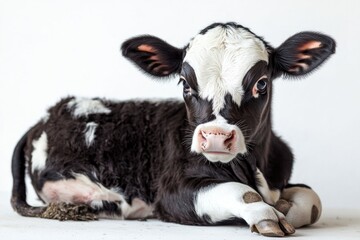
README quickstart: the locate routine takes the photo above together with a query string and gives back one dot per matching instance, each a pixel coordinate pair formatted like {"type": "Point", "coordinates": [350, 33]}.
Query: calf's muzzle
{"type": "Point", "coordinates": [216, 140]}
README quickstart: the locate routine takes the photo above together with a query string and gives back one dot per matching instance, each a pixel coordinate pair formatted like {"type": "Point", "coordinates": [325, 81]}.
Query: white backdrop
{"type": "Point", "coordinates": [51, 49]}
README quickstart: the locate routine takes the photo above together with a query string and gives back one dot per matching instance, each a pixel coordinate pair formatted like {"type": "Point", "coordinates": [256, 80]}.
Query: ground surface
{"type": "Point", "coordinates": [334, 224]}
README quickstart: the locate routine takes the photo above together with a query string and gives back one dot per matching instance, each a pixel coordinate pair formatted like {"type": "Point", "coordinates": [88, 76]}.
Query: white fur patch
{"type": "Point", "coordinates": [90, 133]}
{"type": "Point", "coordinates": [39, 154]}
{"type": "Point", "coordinates": [224, 201]}
{"type": "Point", "coordinates": [82, 190]}
{"type": "Point", "coordinates": [221, 58]}
{"type": "Point", "coordinates": [97, 204]}
{"type": "Point", "coordinates": [84, 106]}
{"type": "Point", "coordinates": [269, 196]}
{"type": "Point", "coordinates": [138, 210]}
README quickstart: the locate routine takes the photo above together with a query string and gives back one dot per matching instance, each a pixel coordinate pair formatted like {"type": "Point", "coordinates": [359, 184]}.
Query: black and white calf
{"type": "Point", "coordinates": [210, 159]}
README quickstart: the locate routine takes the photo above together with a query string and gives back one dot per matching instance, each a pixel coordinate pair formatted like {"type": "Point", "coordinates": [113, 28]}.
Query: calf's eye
{"type": "Point", "coordinates": [187, 88]}
{"type": "Point", "coordinates": [260, 87]}
{"type": "Point", "coordinates": [186, 85]}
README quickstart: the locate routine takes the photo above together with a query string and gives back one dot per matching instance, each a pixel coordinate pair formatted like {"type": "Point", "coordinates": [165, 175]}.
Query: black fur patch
{"type": "Point", "coordinates": [189, 74]}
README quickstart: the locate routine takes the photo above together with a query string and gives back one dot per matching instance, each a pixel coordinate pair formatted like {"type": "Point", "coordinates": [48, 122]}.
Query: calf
{"type": "Point", "coordinates": [210, 159]}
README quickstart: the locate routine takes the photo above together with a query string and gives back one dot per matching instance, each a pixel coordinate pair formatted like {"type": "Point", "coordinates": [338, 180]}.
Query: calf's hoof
{"type": "Point", "coordinates": [271, 228]}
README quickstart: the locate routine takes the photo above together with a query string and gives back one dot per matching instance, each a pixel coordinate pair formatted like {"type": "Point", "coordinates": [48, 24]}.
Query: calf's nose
{"type": "Point", "coordinates": [217, 140]}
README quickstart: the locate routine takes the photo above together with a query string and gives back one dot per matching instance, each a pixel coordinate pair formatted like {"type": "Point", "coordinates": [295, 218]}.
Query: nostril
{"type": "Point", "coordinates": [229, 139]}
{"type": "Point", "coordinates": [204, 135]}
{"type": "Point", "coordinates": [216, 140]}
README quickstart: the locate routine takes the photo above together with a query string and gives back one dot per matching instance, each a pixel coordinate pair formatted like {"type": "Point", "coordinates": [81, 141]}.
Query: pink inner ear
{"type": "Point", "coordinates": [310, 45]}
{"type": "Point", "coordinates": [146, 48]}
{"type": "Point", "coordinates": [303, 56]}
{"type": "Point", "coordinates": [149, 49]}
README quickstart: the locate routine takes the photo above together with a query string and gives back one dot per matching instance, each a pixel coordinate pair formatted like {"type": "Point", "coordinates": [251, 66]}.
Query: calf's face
{"type": "Point", "coordinates": [226, 72]}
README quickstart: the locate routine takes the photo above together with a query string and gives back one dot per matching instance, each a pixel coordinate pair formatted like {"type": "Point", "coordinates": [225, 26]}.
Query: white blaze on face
{"type": "Point", "coordinates": [221, 58]}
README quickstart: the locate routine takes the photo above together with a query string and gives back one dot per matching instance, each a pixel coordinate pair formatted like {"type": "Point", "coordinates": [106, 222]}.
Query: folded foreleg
{"type": "Point", "coordinates": [235, 200]}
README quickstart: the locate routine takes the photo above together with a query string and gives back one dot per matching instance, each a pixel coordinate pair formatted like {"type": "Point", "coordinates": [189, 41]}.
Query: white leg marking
{"type": "Point", "coordinates": [302, 200]}
{"type": "Point", "coordinates": [138, 209]}
{"type": "Point", "coordinates": [96, 204]}
{"type": "Point", "coordinates": [78, 190]}
{"type": "Point", "coordinates": [84, 107]}
{"type": "Point", "coordinates": [39, 154]}
{"type": "Point", "coordinates": [269, 196]}
{"type": "Point", "coordinates": [82, 190]}
{"type": "Point", "coordinates": [90, 133]}
{"type": "Point", "coordinates": [224, 201]}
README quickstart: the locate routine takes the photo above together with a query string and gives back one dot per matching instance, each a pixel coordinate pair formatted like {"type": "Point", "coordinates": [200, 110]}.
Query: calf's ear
{"type": "Point", "coordinates": [302, 53]}
{"type": "Point", "coordinates": [153, 55]}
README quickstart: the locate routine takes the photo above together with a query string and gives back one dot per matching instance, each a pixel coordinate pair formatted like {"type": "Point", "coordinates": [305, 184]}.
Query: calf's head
{"type": "Point", "coordinates": [227, 74]}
